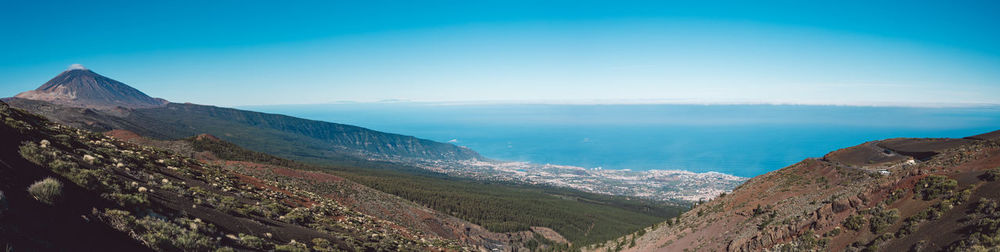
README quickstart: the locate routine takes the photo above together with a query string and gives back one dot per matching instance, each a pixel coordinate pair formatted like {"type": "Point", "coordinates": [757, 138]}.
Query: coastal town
{"type": "Point", "coordinates": [663, 185]}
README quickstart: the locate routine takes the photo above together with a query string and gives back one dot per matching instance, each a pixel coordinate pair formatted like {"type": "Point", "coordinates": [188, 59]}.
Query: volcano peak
{"type": "Point", "coordinates": [81, 87]}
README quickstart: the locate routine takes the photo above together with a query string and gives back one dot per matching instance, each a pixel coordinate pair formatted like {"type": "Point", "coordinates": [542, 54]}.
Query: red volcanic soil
{"type": "Point", "coordinates": [815, 196]}
{"type": "Point", "coordinates": [863, 155]}
{"type": "Point", "coordinates": [292, 198]}
{"type": "Point", "coordinates": [986, 136]}
{"type": "Point", "coordinates": [281, 171]}
{"type": "Point", "coordinates": [922, 149]}
{"type": "Point", "coordinates": [206, 137]}
{"type": "Point", "coordinates": [314, 176]}
{"type": "Point", "coordinates": [308, 175]}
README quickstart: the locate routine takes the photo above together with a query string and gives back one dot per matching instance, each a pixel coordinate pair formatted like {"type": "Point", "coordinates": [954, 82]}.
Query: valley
{"type": "Point", "coordinates": [489, 211]}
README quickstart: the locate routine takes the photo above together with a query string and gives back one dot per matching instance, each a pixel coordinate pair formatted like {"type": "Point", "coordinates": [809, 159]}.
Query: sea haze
{"type": "Point", "coordinates": [743, 140]}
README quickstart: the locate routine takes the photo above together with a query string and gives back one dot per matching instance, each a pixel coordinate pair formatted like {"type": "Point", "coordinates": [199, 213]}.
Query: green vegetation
{"type": "Point", "coordinates": [991, 174]}
{"type": "Point", "coordinates": [63, 164]}
{"type": "Point", "coordinates": [47, 190]}
{"type": "Point", "coordinates": [130, 199]}
{"type": "Point", "coordinates": [541, 244]}
{"type": "Point", "coordinates": [833, 233]}
{"type": "Point", "coordinates": [583, 218]}
{"type": "Point", "coordinates": [299, 215]}
{"type": "Point", "coordinates": [934, 186]}
{"type": "Point", "coordinates": [882, 219]}
{"type": "Point", "coordinates": [854, 222]}
{"type": "Point", "coordinates": [180, 234]}
{"type": "Point", "coordinates": [322, 245]}
{"type": "Point", "coordinates": [253, 242]}
{"type": "Point", "coordinates": [934, 212]}
{"type": "Point", "coordinates": [985, 228]}
{"type": "Point", "coordinates": [292, 246]}
{"type": "Point", "coordinates": [894, 196]}
{"type": "Point", "coordinates": [808, 241]}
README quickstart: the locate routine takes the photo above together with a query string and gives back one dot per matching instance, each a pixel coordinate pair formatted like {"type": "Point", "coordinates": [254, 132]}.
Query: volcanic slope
{"type": "Point", "coordinates": [255, 168]}
{"type": "Point", "coordinates": [82, 87]}
{"type": "Point", "coordinates": [512, 214]}
{"type": "Point", "coordinates": [106, 194]}
{"type": "Point", "coordinates": [278, 134]}
{"type": "Point", "coordinates": [378, 160]}
{"type": "Point", "coordinates": [107, 104]}
{"type": "Point", "coordinates": [889, 195]}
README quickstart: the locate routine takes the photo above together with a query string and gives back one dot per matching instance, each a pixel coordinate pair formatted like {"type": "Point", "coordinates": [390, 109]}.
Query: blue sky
{"type": "Point", "coordinates": [244, 52]}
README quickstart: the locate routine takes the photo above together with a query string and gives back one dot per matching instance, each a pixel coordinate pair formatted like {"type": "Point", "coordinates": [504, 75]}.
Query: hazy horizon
{"type": "Point", "coordinates": [612, 102]}
{"type": "Point", "coordinates": [742, 140]}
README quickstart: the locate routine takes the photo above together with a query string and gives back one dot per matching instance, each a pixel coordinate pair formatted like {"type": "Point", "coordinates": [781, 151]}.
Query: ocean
{"type": "Point", "coordinates": [742, 140]}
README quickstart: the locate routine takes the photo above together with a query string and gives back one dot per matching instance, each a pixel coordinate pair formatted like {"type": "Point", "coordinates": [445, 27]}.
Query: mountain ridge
{"type": "Point", "coordinates": [82, 87]}
{"type": "Point", "coordinates": [82, 98]}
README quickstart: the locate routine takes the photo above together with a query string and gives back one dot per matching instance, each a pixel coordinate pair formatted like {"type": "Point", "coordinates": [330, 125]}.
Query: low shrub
{"type": "Point", "coordinates": [31, 152]}
{"type": "Point", "coordinates": [320, 244]}
{"type": "Point", "coordinates": [986, 206]}
{"type": "Point", "coordinates": [991, 174]}
{"type": "Point", "coordinates": [90, 179]}
{"type": "Point", "coordinates": [934, 186]}
{"type": "Point", "coordinates": [299, 215]}
{"type": "Point", "coordinates": [130, 199]}
{"type": "Point", "coordinates": [882, 220]}
{"type": "Point", "coordinates": [63, 138]}
{"type": "Point", "coordinates": [832, 233]}
{"type": "Point", "coordinates": [18, 125]}
{"type": "Point", "coordinates": [985, 229]}
{"type": "Point", "coordinates": [119, 219]}
{"type": "Point", "coordinates": [894, 196]}
{"type": "Point", "coordinates": [292, 246]}
{"type": "Point", "coordinates": [168, 236]}
{"type": "Point", "coordinates": [47, 190]}
{"type": "Point", "coordinates": [62, 166]}
{"type": "Point", "coordinates": [854, 222]}
{"type": "Point", "coordinates": [962, 196]}
{"type": "Point", "coordinates": [251, 241]}
{"type": "Point", "coordinates": [225, 249]}
{"type": "Point", "coordinates": [230, 205]}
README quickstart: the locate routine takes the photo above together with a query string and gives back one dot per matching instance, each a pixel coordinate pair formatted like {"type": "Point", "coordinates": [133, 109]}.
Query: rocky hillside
{"type": "Point", "coordinates": [255, 168]}
{"type": "Point", "coordinates": [382, 161]}
{"type": "Point", "coordinates": [106, 194]}
{"type": "Point", "coordinates": [889, 195]}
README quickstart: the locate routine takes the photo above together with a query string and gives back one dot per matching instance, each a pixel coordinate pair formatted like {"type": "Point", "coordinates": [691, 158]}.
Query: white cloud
{"type": "Point", "coordinates": [453, 141]}
{"type": "Point", "coordinates": [76, 67]}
